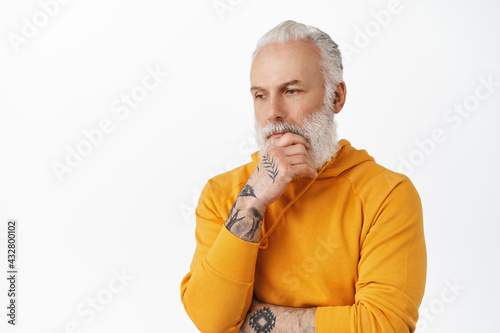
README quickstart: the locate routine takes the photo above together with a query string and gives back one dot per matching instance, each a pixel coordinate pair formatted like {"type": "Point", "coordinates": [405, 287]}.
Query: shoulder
{"type": "Point", "coordinates": [375, 184]}
{"type": "Point", "coordinates": [227, 181]}
{"type": "Point", "coordinates": [220, 191]}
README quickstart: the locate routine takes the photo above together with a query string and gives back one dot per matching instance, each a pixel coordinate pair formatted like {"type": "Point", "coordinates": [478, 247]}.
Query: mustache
{"type": "Point", "coordinates": [281, 127]}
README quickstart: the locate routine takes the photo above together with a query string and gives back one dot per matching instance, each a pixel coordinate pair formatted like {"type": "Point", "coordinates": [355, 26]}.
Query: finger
{"type": "Point", "coordinates": [297, 149]}
{"type": "Point", "coordinates": [300, 159]}
{"type": "Point", "coordinates": [289, 139]}
{"type": "Point", "coordinates": [303, 171]}
{"type": "Point", "coordinates": [291, 155]}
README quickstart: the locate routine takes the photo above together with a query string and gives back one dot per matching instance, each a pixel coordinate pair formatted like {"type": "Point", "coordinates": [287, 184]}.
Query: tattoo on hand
{"type": "Point", "coordinates": [247, 191]}
{"type": "Point", "coordinates": [233, 217]}
{"type": "Point", "coordinates": [263, 321]}
{"type": "Point", "coordinates": [271, 167]}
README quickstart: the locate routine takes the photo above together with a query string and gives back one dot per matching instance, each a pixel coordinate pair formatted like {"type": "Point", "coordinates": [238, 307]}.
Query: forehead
{"type": "Point", "coordinates": [278, 63]}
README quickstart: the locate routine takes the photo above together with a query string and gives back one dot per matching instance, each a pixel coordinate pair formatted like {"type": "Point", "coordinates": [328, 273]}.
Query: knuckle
{"type": "Point", "coordinates": [286, 168]}
{"type": "Point", "coordinates": [302, 149]}
{"type": "Point", "coordinates": [270, 148]}
{"type": "Point", "coordinates": [278, 159]}
{"type": "Point", "coordinates": [304, 168]}
{"type": "Point", "coordinates": [303, 159]}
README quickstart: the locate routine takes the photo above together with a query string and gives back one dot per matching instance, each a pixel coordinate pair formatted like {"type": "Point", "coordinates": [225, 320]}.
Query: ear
{"type": "Point", "coordinates": [340, 95]}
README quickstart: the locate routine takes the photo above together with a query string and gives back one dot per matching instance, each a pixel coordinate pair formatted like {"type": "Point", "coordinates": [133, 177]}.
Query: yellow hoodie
{"type": "Point", "coordinates": [352, 244]}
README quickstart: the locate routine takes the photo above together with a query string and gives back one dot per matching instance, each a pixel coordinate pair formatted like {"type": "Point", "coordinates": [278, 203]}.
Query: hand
{"type": "Point", "coordinates": [283, 161]}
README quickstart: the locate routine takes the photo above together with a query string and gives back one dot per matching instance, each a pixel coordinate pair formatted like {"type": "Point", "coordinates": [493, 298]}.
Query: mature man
{"type": "Point", "coordinates": [312, 235]}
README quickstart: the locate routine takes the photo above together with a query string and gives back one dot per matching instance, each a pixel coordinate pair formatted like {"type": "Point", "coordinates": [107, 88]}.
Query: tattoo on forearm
{"type": "Point", "coordinates": [256, 221]}
{"type": "Point", "coordinates": [252, 215]}
{"type": "Point", "coordinates": [233, 217]}
{"type": "Point", "coordinates": [263, 321]}
{"type": "Point", "coordinates": [271, 167]}
{"type": "Point", "coordinates": [247, 191]}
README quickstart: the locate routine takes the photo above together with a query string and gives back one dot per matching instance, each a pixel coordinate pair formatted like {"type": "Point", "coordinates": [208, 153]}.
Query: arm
{"type": "Point", "coordinates": [263, 317]}
{"type": "Point", "coordinates": [217, 292]}
{"type": "Point", "coordinates": [391, 270]}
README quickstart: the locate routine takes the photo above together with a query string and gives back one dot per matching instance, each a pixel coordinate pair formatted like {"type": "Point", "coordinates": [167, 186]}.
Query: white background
{"type": "Point", "coordinates": [128, 204]}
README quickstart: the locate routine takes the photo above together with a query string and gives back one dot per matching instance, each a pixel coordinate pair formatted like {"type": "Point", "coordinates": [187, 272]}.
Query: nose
{"type": "Point", "coordinates": [276, 110]}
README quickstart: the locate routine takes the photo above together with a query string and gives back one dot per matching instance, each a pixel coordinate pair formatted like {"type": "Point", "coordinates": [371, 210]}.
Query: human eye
{"type": "Point", "coordinates": [259, 96]}
{"type": "Point", "coordinates": [292, 91]}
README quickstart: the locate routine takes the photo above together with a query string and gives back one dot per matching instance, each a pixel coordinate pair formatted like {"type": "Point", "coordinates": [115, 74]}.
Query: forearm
{"type": "Point", "coordinates": [245, 218]}
{"type": "Point", "coordinates": [263, 317]}
{"type": "Point", "coordinates": [217, 291]}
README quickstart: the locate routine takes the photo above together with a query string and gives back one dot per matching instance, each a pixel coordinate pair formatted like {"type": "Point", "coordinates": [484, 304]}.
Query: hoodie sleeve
{"type": "Point", "coordinates": [392, 271]}
{"type": "Point", "coordinates": [217, 291]}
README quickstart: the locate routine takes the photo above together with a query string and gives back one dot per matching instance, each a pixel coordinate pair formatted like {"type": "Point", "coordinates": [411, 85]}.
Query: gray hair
{"type": "Point", "coordinates": [331, 59]}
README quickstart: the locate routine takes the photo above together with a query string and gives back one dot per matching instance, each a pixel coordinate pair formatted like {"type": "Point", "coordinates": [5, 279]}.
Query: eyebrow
{"type": "Point", "coordinates": [281, 86]}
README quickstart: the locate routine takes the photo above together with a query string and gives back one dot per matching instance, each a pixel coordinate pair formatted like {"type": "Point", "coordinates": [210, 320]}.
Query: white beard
{"type": "Point", "coordinates": [319, 129]}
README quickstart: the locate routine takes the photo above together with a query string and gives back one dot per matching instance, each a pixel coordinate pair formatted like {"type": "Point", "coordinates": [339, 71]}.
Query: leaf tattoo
{"type": "Point", "coordinates": [271, 167]}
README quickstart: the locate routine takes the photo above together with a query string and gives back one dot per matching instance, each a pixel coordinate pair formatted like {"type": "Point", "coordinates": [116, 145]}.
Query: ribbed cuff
{"type": "Point", "coordinates": [233, 257]}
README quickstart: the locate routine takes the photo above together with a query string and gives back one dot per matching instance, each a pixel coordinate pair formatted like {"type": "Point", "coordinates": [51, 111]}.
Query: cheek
{"type": "Point", "coordinates": [303, 106]}
{"type": "Point", "coordinates": [260, 114]}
